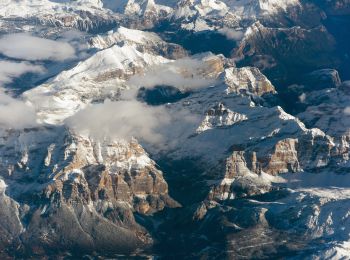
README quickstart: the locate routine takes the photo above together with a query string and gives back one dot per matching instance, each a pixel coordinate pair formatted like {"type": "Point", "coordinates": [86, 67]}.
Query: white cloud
{"type": "Point", "coordinates": [27, 47]}
{"type": "Point", "coordinates": [15, 113]}
{"type": "Point", "coordinates": [72, 35]}
{"type": "Point", "coordinates": [231, 34]}
{"type": "Point", "coordinates": [347, 111]}
{"type": "Point", "coordinates": [78, 40]}
{"type": "Point", "coordinates": [184, 74]}
{"type": "Point", "coordinates": [122, 119]}
{"type": "Point", "coordinates": [302, 98]}
{"type": "Point", "coordinates": [154, 125]}
{"type": "Point", "coordinates": [10, 70]}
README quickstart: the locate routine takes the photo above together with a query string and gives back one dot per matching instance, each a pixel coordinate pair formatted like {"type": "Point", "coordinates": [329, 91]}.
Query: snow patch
{"type": "Point", "coordinates": [2, 186]}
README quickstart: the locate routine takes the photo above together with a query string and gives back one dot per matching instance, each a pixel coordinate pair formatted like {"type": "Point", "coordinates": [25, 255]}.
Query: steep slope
{"type": "Point", "coordinates": [73, 192]}
{"type": "Point", "coordinates": [92, 80]}
{"type": "Point", "coordinates": [144, 41]}
{"type": "Point", "coordinates": [211, 132]}
{"type": "Point", "coordinates": [281, 143]}
{"type": "Point", "coordinates": [274, 50]}
{"type": "Point", "coordinates": [85, 15]}
{"type": "Point", "coordinates": [226, 160]}
{"type": "Point", "coordinates": [70, 192]}
{"type": "Point", "coordinates": [328, 109]}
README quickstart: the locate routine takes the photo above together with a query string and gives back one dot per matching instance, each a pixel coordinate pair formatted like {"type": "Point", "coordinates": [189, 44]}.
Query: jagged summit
{"type": "Point", "coordinates": [175, 129]}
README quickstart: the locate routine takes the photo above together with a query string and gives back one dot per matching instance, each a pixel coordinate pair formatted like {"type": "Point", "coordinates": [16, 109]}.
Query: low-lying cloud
{"type": "Point", "coordinates": [347, 111]}
{"type": "Point", "coordinates": [10, 70]}
{"type": "Point", "coordinates": [231, 34]}
{"type": "Point", "coordinates": [128, 119]}
{"type": "Point", "coordinates": [153, 125]}
{"type": "Point", "coordinates": [27, 47]}
{"type": "Point", "coordinates": [78, 40]}
{"type": "Point", "coordinates": [184, 74]}
{"type": "Point", "coordinates": [15, 113]}
{"type": "Point", "coordinates": [302, 98]}
{"type": "Point", "coordinates": [122, 119]}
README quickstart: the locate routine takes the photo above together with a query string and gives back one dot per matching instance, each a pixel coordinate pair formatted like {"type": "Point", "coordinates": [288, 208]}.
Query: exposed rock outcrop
{"type": "Point", "coordinates": [78, 184]}
{"type": "Point", "coordinates": [146, 42]}
{"type": "Point", "coordinates": [245, 172]}
{"type": "Point", "coordinates": [248, 80]}
{"type": "Point", "coordinates": [220, 116]}
{"type": "Point", "coordinates": [274, 50]}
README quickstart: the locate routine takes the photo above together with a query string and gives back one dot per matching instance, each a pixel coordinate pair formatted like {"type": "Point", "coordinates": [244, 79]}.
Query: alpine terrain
{"type": "Point", "coordinates": [163, 129]}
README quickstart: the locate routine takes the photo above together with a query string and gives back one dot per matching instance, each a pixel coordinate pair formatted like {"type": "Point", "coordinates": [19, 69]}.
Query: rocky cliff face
{"type": "Point", "coordinates": [89, 81]}
{"type": "Point", "coordinates": [249, 80]}
{"type": "Point", "coordinates": [145, 42]}
{"type": "Point", "coordinates": [220, 116]}
{"type": "Point", "coordinates": [274, 50]}
{"type": "Point", "coordinates": [243, 157]}
{"type": "Point", "coordinates": [331, 115]}
{"type": "Point", "coordinates": [244, 169]}
{"type": "Point", "coordinates": [63, 190]}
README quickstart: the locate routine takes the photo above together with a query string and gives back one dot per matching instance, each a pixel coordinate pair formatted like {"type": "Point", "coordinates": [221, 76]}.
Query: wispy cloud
{"type": "Point", "coordinates": [154, 125]}
{"type": "Point", "coordinates": [10, 70]}
{"type": "Point", "coordinates": [15, 113]}
{"type": "Point", "coordinates": [78, 40]}
{"type": "Point", "coordinates": [185, 74]}
{"type": "Point", "coordinates": [128, 117]}
{"type": "Point", "coordinates": [231, 34]}
{"type": "Point", "coordinates": [347, 111]}
{"type": "Point", "coordinates": [122, 119]}
{"type": "Point", "coordinates": [27, 47]}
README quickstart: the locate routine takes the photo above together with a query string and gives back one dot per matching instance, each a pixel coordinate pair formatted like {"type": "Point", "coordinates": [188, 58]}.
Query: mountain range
{"type": "Point", "coordinates": [192, 129]}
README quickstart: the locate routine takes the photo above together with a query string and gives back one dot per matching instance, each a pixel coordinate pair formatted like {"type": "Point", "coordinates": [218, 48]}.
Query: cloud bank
{"type": "Point", "coordinates": [152, 125]}
{"type": "Point", "coordinates": [10, 70]}
{"type": "Point", "coordinates": [15, 113]}
{"type": "Point", "coordinates": [122, 119]}
{"type": "Point", "coordinates": [184, 74]}
{"type": "Point", "coordinates": [126, 119]}
{"type": "Point", "coordinates": [27, 47]}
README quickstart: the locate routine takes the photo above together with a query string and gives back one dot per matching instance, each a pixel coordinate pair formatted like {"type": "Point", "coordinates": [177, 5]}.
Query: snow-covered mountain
{"type": "Point", "coordinates": [178, 129]}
